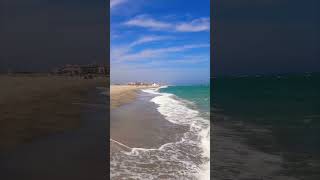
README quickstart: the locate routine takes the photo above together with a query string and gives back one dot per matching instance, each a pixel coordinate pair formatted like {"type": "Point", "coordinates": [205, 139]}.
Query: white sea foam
{"type": "Point", "coordinates": [177, 112]}
{"type": "Point", "coordinates": [185, 159]}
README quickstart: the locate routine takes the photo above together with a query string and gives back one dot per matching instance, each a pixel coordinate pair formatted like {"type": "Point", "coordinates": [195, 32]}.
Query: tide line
{"type": "Point", "coordinates": [123, 145]}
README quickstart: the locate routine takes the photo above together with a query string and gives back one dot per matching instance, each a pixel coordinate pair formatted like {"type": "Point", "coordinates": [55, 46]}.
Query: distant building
{"type": "Point", "coordinates": [137, 83]}
{"type": "Point", "coordinates": [155, 84]}
{"type": "Point", "coordinates": [131, 83]}
{"type": "Point", "coordinates": [69, 69]}
{"type": "Point", "coordinates": [142, 84]}
{"type": "Point", "coordinates": [82, 70]}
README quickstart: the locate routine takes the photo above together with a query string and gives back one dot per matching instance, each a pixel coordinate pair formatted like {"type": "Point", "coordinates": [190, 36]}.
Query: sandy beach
{"type": "Point", "coordinates": [123, 94]}
{"type": "Point", "coordinates": [55, 127]}
{"type": "Point", "coordinates": [31, 107]}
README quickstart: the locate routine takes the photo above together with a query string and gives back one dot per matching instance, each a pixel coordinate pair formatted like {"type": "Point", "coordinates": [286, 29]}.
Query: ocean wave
{"type": "Point", "coordinates": [177, 111]}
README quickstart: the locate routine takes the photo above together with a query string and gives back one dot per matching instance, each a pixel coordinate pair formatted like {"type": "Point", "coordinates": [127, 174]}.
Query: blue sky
{"type": "Point", "coordinates": [164, 41]}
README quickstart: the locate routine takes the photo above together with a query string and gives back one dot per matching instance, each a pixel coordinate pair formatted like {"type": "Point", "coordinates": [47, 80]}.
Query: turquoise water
{"type": "Point", "coordinates": [198, 94]}
{"type": "Point", "coordinates": [288, 106]}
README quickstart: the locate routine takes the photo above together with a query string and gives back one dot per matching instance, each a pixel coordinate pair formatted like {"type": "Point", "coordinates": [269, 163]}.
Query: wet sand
{"type": "Point", "coordinates": [73, 153]}
{"type": "Point", "coordinates": [138, 124]}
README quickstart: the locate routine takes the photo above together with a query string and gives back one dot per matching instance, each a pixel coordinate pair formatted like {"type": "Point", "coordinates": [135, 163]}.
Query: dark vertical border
{"type": "Point", "coordinates": [107, 43]}
{"type": "Point", "coordinates": [211, 80]}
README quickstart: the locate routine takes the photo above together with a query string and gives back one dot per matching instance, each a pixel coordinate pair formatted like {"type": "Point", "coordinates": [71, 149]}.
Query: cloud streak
{"type": "Point", "coordinates": [197, 25]}
{"type": "Point", "coordinates": [145, 21]}
{"type": "Point", "coordinates": [147, 39]}
{"type": "Point", "coordinates": [120, 51]}
{"type": "Point", "coordinates": [114, 3]}
{"type": "Point", "coordinates": [124, 54]}
{"type": "Point", "coordinates": [148, 22]}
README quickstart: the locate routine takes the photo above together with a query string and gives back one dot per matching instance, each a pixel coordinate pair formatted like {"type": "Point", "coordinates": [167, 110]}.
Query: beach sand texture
{"type": "Point", "coordinates": [123, 94]}
{"type": "Point", "coordinates": [31, 107]}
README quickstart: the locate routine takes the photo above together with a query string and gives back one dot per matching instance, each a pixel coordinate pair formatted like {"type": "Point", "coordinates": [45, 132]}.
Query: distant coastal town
{"type": "Point", "coordinates": [88, 71]}
{"type": "Point", "coordinates": [143, 84]}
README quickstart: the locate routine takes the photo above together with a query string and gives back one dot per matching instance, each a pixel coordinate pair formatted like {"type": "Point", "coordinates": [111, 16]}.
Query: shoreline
{"type": "Point", "coordinates": [137, 123]}
{"type": "Point", "coordinates": [147, 142]}
{"type": "Point", "coordinates": [124, 94]}
{"type": "Point", "coordinates": [138, 127]}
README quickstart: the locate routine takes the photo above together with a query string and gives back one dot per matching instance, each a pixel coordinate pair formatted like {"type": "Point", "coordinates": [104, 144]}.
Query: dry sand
{"type": "Point", "coordinates": [31, 107]}
{"type": "Point", "coordinates": [123, 94]}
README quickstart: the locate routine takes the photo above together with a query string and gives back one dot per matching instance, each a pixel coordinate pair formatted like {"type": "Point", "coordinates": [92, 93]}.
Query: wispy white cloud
{"type": "Point", "coordinates": [172, 62]}
{"type": "Point", "coordinates": [124, 53]}
{"type": "Point", "coordinates": [119, 52]}
{"type": "Point", "coordinates": [152, 38]}
{"type": "Point", "coordinates": [148, 22]}
{"type": "Point", "coordinates": [197, 25]}
{"type": "Point", "coordinates": [145, 21]}
{"type": "Point", "coordinates": [114, 3]}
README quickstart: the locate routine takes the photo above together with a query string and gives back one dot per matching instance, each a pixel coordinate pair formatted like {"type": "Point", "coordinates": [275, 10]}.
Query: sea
{"type": "Point", "coordinates": [185, 157]}
{"type": "Point", "coordinates": [277, 115]}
